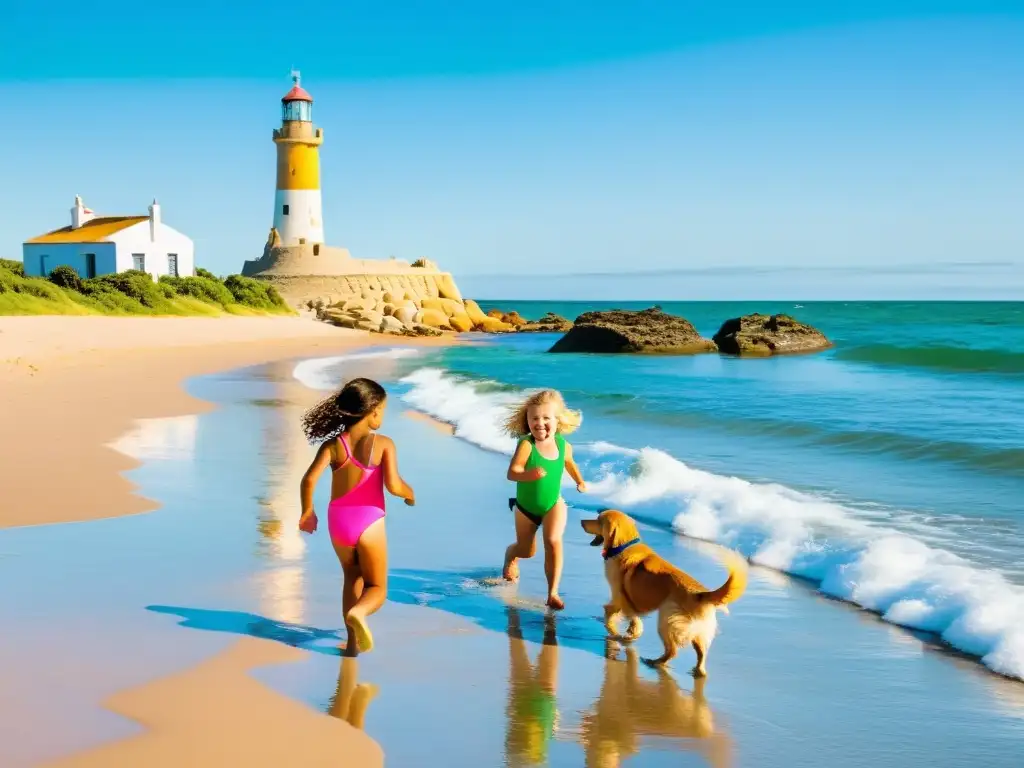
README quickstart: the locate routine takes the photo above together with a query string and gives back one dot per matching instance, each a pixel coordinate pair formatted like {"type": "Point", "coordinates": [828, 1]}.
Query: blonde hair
{"type": "Point", "coordinates": [518, 425]}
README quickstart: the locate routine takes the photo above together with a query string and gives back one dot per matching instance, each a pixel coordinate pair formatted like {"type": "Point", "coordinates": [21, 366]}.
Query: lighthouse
{"type": "Point", "coordinates": [298, 216]}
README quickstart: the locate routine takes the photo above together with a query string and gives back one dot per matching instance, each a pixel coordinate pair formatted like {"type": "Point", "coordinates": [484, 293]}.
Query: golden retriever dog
{"type": "Point", "coordinates": [630, 709]}
{"type": "Point", "coordinates": [641, 581]}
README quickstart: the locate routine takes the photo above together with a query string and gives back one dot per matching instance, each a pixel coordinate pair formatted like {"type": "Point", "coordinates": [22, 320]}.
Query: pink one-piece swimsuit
{"type": "Point", "coordinates": [351, 514]}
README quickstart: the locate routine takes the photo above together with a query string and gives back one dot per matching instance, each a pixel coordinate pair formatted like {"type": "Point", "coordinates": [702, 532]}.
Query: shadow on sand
{"type": "Point", "coordinates": [482, 597]}
{"type": "Point", "coordinates": [241, 623]}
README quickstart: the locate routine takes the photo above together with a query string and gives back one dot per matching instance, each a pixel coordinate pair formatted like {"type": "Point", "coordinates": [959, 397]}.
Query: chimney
{"type": "Point", "coordinates": [154, 220]}
{"type": "Point", "coordinates": [80, 214]}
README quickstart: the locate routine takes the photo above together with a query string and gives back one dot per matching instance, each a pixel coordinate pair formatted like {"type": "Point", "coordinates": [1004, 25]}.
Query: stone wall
{"type": "Point", "coordinates": [384, 296]}
{"type": "Point", "coordinates": [303, 290]}
{"type": "Point", "coordinates": [318, 273]}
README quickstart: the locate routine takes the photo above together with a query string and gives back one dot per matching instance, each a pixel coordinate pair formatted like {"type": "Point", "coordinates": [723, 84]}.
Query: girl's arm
{"type": "Point", "coordinates": [517, 471]}
{"type": "Point", "coordinates": [307, 521]}
{"type": "Point", "coordinates": [392, 480]}
{"type": "Point", "coordinates": [573, 470]}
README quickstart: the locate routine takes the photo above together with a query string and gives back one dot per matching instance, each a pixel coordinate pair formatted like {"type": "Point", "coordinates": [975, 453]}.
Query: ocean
{"type": "Point", "coordinates": [888, 471]}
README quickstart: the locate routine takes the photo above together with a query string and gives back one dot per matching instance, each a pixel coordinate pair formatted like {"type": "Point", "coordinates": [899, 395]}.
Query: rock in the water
{"type": "Point", "coordinates": [765, 335]}
{"type": "Point", "coordinates": [493, 325]}
{"type": "Point", "coordinates": [550, 323]}
{"type": "Point", "coordinates": [513, 318]}
{"type": "Point", "coordinates": [648, 331]}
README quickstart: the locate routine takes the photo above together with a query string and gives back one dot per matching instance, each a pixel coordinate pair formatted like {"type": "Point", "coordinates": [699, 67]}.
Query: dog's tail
{"type": "Point", "coordinates": [734, 586]}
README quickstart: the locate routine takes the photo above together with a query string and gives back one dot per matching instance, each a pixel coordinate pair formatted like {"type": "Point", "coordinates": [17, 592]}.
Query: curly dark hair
{"type": "Point", "coordinates": [342, 410]}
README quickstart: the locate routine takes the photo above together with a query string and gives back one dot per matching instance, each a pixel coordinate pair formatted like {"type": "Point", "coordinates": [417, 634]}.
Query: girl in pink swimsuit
{"type": "Point", "coordinates": [362, 464]}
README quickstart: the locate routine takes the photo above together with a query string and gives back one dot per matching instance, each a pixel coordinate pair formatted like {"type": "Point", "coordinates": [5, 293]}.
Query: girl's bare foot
{"type": "Point", "coordinates": [555, 602]}
{"type": "Point", "coordinates": [510, 571]}
{"type": "Point", "coordinates": [363, 636]}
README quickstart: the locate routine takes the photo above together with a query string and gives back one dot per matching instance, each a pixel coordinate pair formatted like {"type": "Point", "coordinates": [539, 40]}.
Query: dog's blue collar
{"type": "Point", "coordinates": [610, 553]}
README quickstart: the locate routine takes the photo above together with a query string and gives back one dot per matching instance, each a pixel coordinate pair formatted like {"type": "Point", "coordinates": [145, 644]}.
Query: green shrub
{"type": "Point", "coordinates": [257, 294]}
{"type": "Point", "coordinates": [66, 277]}
{"type": "Point", "coordinates": [8, 280]}
{"type": "Point", "coordinates": [107, 296]}
{"type": "Point", "coordinates": [134, 284]}
{"type": "Point", "coordinates": [13, 266]}
{"type": "Point", "coordinates": [133, 293]}
{"type": "Point", "coordinates": [205, 289]}
{"type": "Point", "coordinates": [13, 280]}
{"type": "Point", "coordinates": [40, 287]}
{"type": "Point", "coordinates": [200, 272]}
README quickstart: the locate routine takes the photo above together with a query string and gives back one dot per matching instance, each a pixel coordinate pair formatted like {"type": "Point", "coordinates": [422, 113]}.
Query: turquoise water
{"type": "Point", "coordinates": [889, 471]}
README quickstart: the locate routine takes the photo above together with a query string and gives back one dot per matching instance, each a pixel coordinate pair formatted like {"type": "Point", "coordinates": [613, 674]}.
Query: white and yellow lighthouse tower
{"type": "Point", "coordinates": [298, 215]}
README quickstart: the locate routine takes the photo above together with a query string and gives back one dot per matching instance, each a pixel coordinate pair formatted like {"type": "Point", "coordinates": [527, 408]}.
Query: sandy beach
{"type": "Point", "coordinates": [72, 386]}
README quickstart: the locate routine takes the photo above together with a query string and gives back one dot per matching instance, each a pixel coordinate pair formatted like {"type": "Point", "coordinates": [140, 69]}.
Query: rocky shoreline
{"type": "Point", "coordinates": [404, 313]}
{"type": "Point", "coordinates": [616, 331]}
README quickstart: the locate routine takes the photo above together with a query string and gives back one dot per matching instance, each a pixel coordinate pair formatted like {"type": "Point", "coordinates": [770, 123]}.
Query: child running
{"type": "Point", "coordinates": [362, 464]}
{"type": "Point", "coordinates": [536, 469]}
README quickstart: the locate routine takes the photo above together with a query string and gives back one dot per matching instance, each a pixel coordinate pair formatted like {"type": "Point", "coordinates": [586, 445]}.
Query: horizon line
{"type": "Point", "coordinates": [909, 268]}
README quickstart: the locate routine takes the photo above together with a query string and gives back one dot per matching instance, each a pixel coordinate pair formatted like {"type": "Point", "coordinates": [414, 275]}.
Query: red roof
{"type": "Point", "coordinates": [297, 93]}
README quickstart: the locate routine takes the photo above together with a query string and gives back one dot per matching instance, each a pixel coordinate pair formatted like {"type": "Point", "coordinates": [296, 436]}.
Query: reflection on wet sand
{"type": "Point", "coordinates": [351, 697]}
{"type": "Point", "coordinates": [169, 438]}
{"type": "Point", "coordinates": [630, 708]}
{"type": "Point", "coordinates": [285, 458]}
{"type": "Point", "coordinates": [531, 713]}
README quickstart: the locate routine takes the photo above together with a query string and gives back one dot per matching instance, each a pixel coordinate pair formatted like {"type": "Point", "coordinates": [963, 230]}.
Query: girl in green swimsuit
{"type": "Point", "coordinates": [536, 469]}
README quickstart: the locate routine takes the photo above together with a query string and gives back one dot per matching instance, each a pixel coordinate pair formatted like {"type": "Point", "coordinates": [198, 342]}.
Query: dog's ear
{"type": "Point", "coordinates": [611, 529]}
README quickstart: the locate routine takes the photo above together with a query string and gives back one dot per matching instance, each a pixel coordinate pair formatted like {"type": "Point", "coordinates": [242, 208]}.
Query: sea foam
{"type": "Point", "coordinates": [323, 372]}
{"type": "Point", "coordinates": [848, 554]}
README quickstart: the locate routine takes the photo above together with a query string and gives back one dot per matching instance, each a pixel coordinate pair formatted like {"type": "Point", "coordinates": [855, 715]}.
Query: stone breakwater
{"type": "Point", "coordinates": [383, 305]}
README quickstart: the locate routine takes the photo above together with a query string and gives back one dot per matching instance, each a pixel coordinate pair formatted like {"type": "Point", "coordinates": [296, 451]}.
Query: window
{"type": "Point", "coordinates": [172, 264]}
{"type": "Point", "coordinates": [316, 249]}
{"type": "Point", "coordinates": [139, 262]}
{"type": "Point", "coordinates": [302, 241]}
{"type": "Point", "coordinates": [284, 209]}
{"type": "Point", "coordinates": [297, 111]}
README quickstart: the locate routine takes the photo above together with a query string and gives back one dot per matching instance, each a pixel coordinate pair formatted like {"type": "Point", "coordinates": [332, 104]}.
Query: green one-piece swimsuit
{"type": "Point", "coordinates": [536, 498]}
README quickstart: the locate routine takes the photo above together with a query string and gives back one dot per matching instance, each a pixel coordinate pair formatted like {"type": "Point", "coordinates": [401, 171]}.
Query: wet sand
{"type": "Point", "coordinates": [72, 387]}
{"type": "Point", "coordinates": [440, 426]}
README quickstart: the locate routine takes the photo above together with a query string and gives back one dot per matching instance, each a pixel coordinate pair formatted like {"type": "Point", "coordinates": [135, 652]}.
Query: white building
{"type": "Point", "coordinates": [100, 245]}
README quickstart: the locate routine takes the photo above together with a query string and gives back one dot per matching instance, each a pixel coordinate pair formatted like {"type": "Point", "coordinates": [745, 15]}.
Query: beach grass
{"type": "Point", "coordinates": [134, 293]}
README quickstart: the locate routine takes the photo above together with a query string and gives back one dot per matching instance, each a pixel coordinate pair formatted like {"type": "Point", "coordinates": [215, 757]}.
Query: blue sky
{"type": "Point", "coordinates": [729, 150]}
